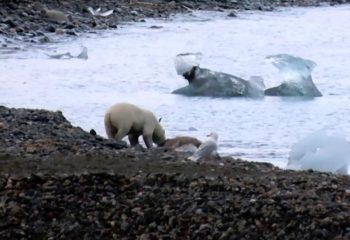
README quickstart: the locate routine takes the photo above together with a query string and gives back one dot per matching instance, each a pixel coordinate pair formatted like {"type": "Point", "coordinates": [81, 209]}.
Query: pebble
{"type": "Point", "coordinates": [36, 16]}
{"type": "Point", "coordinates": [53, 134]}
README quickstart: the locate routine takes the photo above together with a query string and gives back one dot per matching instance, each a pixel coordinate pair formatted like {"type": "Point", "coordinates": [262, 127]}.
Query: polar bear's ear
{"type": "Point", "coordinates": [160, 119]}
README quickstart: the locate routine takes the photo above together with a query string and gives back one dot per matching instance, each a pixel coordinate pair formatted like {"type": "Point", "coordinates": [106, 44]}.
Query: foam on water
{"type": "Point", "coordinates": [135, 64]}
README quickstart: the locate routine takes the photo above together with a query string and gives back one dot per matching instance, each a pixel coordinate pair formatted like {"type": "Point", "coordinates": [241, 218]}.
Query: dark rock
{"type": "Point", "coordinates": [93, 132]}
{"type": "Point", "coordinates": [156, 27]}
{"type": "Point", "coordinates": [232, 14]}
{"type": "Point", "coordinates": [71, 32]}
{"type": "Point", "coordinates": [69, 26]}
{"type": "Point", "coordinates": [44, 39]}
{"type": "Point", "coordinates": [10, 22]}
{"type": "Point", "coordinates": [51, 29]}
{"type": "Point", "coordinates": [12, 5]}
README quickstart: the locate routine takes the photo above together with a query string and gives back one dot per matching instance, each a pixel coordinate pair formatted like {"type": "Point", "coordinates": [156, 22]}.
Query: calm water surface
{"type": "Point", "coordinates": [135, 64]}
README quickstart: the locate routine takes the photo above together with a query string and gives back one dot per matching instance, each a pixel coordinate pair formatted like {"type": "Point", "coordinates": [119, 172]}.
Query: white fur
{"type": "Point", "coordinates": [124, 119]}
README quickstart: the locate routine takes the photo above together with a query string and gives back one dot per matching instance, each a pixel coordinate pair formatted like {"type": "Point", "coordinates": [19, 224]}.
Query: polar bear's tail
{"type": "Point", "coordinates": [110, 130]}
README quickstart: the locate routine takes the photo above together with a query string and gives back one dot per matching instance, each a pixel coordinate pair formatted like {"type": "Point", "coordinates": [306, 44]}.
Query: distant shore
{"type": "Point", "coordinates": [30, 21]}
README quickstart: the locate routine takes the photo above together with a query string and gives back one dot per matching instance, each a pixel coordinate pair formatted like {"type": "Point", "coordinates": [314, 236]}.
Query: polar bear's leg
{"type": "Point", "coordinates": [147, 138]}
{"type": "Point", "coordinates": [134, 139]}
{"type": "Point", "coordinates": [120, 134]}
{"type": "Point", "coordinates": [110, 129]}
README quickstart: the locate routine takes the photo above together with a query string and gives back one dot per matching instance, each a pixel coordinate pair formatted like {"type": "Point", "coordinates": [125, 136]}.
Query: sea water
{"type": "Point", "coordinates": [135, 64]}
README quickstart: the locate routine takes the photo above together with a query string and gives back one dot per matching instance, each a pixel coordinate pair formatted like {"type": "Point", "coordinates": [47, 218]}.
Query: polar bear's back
{"type": "Point", "coordinates": [126, 115]}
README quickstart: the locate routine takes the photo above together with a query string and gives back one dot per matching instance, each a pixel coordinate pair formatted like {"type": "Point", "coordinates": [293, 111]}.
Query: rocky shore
{"type": "Point", "coordinates": [59, 182]}
{"type": "Point", "coordinates": [37, 21]}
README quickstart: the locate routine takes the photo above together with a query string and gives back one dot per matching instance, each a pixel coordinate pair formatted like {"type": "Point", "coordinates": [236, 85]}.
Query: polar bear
{"type": "Point", "coordinates": [127, 119]}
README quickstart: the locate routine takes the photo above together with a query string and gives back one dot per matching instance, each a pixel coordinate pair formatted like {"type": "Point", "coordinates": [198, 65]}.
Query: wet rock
{"type": "Point", "coordinates": [44, 39]}
{"type": "Point", "coordinates": [70, 26]}
{"type": "Point", "coordinates": [38, 6]}
{"type": "Point", "coordinates": [36, 16]}
{"type": "Point", "coordinates": [10, 22]}
{"type": "Point", "coordinates": [156, 27]}
{"type": "Point", "coordinates": [232, 14]}
{"type": "Point", "coordinates": [60, 31]}
{"type": "Point", "coordinates": [93, 132]}
{"type": "Point", "coordinates": [51, 29]}
{"type": "Point", "coordinates": [56, 16]}
{"type": "Point", "coordinates": [71, 32]}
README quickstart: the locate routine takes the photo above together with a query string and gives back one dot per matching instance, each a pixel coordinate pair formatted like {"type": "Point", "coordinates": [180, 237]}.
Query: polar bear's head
{"type": "Point", "coordinates": [158, 136]}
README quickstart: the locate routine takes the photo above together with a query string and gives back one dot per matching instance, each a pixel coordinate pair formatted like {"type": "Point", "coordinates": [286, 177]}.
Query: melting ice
{"type": "Point", "coordinates": [321, 151]}
{"type": "Point", "coordinates": [296, 74]}
{"type": "Point", "coordinates": [205, 82]}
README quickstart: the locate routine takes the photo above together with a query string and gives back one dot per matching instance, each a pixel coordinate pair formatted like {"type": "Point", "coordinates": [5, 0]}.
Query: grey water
{"type": "Point", "coordinates": [135, 64]}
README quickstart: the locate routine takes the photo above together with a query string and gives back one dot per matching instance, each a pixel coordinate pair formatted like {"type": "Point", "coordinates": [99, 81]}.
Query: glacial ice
{"type": "Point", "coordinates": [205, 82]}
{"type": "Point", "coordinates": [321, 151]}
{"type": "Point", "coordinates": [184, 62]}
{"type": "Point", "coordinates": [296, 74]}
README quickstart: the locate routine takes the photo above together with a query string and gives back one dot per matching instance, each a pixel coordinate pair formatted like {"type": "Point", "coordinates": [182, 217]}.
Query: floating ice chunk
{"type": "Point", "coordinates": [83, 54]}
{"type": "Point", "coordinates": [296, 74]}
{"type": "Point", "coordinates": [292, 68]}
{"type": "Point", "coordinates": [258, 81]}
{"type": "Point", "coordinates": [205, 82]}
{"type": "Point", "coordinates": [184, 62]}
{"type": "Point", "coordinates": [321, 151]}
{"type": "Point", "coordinates": [67, 55]}
{"type": "Point", "coordinates": [257, 86]}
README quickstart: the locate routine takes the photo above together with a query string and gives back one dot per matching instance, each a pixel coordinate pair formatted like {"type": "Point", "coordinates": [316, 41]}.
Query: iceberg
{"type": "Point", "coordinates": [321, 151]}
{"type": "Point", "coordinates": [296, 74]}
{"type": "Point", "coordinates": [67, 55]}
{"type": "Point", "coordinates": [205, 82]}
{"type": "Point", "coordinates": [184, 62]}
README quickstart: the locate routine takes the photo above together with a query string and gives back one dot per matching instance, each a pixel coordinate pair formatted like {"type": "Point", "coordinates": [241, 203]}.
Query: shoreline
{"type": "Point", "coordinates": [34, 22]}
{"type": "Point", "coordinates": [58, 181]}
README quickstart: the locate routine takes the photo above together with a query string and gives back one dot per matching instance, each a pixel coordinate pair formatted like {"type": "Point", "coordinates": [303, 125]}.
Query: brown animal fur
{"type": "Point", "coordinates": [180, 141]}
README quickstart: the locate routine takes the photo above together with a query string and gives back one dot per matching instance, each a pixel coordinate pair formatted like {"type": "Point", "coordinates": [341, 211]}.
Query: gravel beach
{"type": "Point", "coordinates": [58, 181]}
{"type": "Point", "coordinates": [38, 21]}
